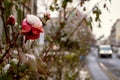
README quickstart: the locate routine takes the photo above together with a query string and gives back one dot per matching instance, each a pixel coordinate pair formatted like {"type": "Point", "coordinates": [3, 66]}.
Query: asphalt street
{"type": "Point", "coordinates": [113, 64]}
{"type": "Point", "coordinates": [94, 68]}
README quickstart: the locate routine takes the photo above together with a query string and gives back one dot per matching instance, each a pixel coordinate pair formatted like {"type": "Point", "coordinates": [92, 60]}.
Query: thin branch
{"type": "Point", "coordinates": [11, 45]}
{"type": "Point", "coordinates": [72, 11]}
{"type": "Point", "coordinates": [51, 43]}
{"type": "Point", "coordinates": [27, 7]}
{"type": "Point", "coordinates": [58, 32]}
{"type": "Point", "coordinates": [82, 21]}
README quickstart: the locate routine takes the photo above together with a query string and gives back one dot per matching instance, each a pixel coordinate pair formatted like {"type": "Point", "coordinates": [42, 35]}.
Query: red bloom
{"type": "Point", "coordinates": [11, 20]}
{"type": "Point", "coordinates": [31, 31]}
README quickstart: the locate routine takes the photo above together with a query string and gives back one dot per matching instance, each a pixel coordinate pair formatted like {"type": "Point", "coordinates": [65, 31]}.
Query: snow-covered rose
{"type": "Point", "coordinates": [31, 27]}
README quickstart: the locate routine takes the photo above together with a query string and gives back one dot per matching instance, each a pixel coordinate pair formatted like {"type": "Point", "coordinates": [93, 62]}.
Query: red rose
{"type": "Point", "coordinates": [11, 20]}
{"type": "Point", "coordinates": [31, 27]}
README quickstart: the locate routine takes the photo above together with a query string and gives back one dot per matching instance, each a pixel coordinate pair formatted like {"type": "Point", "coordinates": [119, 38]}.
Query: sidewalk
{"type": "Point", "coordinates": [84, 74]}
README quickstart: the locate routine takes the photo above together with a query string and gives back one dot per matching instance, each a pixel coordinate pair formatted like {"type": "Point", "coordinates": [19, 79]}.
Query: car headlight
{"type": "Point", "coordinates": [102, 52]}
{"type": "Point", "coordinates": [110, 51]}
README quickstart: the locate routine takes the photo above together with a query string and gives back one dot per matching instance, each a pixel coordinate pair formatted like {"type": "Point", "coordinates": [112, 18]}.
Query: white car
{"type": "Point", "coordinates": [105, 51]}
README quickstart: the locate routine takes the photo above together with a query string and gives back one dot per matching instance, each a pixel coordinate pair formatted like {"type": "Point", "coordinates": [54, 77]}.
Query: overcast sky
{"type": "Point", "coordinates": [107, 18]}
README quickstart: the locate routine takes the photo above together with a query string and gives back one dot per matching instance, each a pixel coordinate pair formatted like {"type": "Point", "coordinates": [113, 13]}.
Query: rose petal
{"type": "Point", "coordinates": [37, 30]}
{"type": "Point", "coordinates": [32, 36]}
{"type": "Point", "coordinates": [25, 26]}
{"type": "Point", "coordinates": [41, 29]}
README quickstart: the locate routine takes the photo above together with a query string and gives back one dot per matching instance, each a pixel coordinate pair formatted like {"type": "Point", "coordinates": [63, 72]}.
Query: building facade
{"type": "Point", "coordinates": [114, 38]}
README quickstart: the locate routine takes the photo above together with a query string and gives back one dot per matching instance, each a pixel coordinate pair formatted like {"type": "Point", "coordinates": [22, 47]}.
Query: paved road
{"type": "Point", "coordinates": [112, 64]}
{"type": "Point", "coordinates": [94, 68]}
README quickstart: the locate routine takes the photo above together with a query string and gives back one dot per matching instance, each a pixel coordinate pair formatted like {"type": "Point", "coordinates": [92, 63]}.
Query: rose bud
{"type": "Point", "coordinates": [47, 16]}
{"type": "Point", "coordinates": [11, 20]}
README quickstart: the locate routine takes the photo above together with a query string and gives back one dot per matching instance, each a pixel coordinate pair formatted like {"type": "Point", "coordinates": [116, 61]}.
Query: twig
{"type": "Point", "coordinates": [72, 11]}
{"type": "Point", "coordinates": [81, 22]}
{"type": "Point", "coordinates": [11, 45]}
{"type": "Point", "coordinates": [58, 32]}
{"type": "Point", "coordinates": [1, 60]}
{"type": "Point", "coordinates": [50, 45]}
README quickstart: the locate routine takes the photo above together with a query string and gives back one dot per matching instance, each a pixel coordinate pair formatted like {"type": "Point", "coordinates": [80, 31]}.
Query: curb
{"type": "Point", "coordinates": [108, 72]}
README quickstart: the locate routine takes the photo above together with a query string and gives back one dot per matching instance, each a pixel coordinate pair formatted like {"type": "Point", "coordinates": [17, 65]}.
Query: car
{"type": "Point", "coordinates": [115, 48]}
{"type": "Point", "coordinates": [118, 53]}
{"type": "Point", "coordinates": [105, 51]}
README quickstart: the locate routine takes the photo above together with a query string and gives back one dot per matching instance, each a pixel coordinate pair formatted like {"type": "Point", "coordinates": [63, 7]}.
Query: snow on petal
{"type": "Point", "coordinates": [34, 21]}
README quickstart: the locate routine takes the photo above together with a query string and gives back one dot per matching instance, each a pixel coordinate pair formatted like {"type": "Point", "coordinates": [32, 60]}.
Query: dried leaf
{"type": "Point", "coordinates": [104, 6]}
{"type": "Point", "coordinates": [89, 23]}
{"type": "Point", "coordinates": [81, 3]}
{"type": "Point", "coordinates": [42, 68]}
{"type": "Point", "coordinates": [84, 9]}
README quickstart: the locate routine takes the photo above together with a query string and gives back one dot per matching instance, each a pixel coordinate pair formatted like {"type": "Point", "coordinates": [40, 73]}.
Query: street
{"type": "Point", "coordinates": [112, 64]}
{"type": "Point", "coordinates": [103, 68]}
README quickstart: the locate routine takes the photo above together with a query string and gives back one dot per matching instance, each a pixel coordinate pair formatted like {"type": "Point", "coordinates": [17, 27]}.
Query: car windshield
{"type": "Point", "coordinates": [105, 48]}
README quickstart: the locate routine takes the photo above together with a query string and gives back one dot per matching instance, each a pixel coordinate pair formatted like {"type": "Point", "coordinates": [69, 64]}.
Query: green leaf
{"type": "Point", "coordinates": [22, 68]}
{"type": "Point", "coordinates": [97, 17]}
{"type": "Point", "coordinates": [84, 9]}
{"type": "Point", "coordinates": [24, 1]}
{"type": "Point", "coordinates": [20, 16]}
{"type": "Point", "coordinates": [51, 8]}
{"type": "Point", "coordinates": [91, 19]}
{"type": "Point", "coordinates": [69, 0]}
{"type": "Point", "coordinates": [99, 25]}
{"type": "Point", "coordinates": [96, 10]}
{"type": "Point", "coordinates": [91, 26]}
{"type": "Point", "coordinates": [64, 4]}
{"type": "Point", "coordinates": [6, 76]}
{"type": "Point", "coordinates": [89, 23]}
{"type": "Point", "coordinates": [55, 1]}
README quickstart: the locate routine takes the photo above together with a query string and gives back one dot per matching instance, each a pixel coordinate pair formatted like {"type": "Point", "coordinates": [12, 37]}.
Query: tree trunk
{"type": "Point", "coordinates": [1, 29]}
